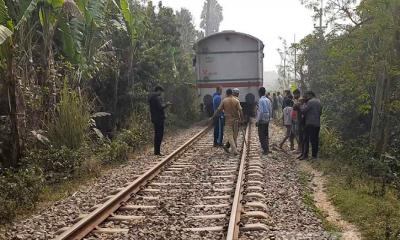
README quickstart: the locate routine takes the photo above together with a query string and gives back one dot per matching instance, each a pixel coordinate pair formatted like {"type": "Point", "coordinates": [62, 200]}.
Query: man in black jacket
{"type": "Point", "coordinates": [312, 115]}
{"type": "Point", "coordinates": [157, 112]}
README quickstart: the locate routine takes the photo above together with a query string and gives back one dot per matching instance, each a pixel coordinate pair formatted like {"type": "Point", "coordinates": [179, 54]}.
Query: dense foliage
{"type": "Point", "coordinates": [353, 63]}
{"type": "Point", "coordinates": [74, 82]}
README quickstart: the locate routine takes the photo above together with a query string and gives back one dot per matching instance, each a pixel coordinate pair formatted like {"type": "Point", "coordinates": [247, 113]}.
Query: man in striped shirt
{"type": "Point", "coordinates": [264, 114]}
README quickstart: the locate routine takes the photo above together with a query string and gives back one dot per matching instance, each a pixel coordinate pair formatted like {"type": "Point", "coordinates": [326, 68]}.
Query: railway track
{"type": "Point", "coordinates": [188, 195]}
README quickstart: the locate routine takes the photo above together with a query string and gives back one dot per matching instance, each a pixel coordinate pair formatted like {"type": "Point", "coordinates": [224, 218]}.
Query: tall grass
{"type": "Point", "coordinates": [71, 122]}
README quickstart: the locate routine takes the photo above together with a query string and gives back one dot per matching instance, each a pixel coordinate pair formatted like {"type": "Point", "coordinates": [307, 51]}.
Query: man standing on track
{"type": "Point", "coordinates": [218, 120]}
{"type": "Point", "coordinates": [312, 114]}
{"type": "Point", "coordinates": [264, 113]}
{"type": "Point", "coordinates": [231, 108]}
{"type": "Point", "coordinates": [235, 93]}
{"type": "Point", "coordinates": [157, 112]}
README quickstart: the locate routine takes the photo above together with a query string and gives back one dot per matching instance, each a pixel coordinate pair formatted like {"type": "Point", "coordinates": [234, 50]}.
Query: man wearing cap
{"type": "Point", "coordinates": [235, 93]}
{"type": "Point", "coordinates": [231, 108]}
{"type": "Point", "coordinates": [157, 112]}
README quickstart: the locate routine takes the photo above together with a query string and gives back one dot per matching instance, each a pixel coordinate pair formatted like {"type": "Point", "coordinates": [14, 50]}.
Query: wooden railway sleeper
{"type": "Point", "coordinates": [254, 227]}
{"type": "Point", "coordinates": [255, 214]}
{"type": "Point", "coordinates": [110, 230]}
{"type": "Point", "coordinates": [211, 216]}
{"type": "Point", "coordinates": [255, 175]}
{"type": "Point", "coordinates": [255, 182]}
{"type": "Point", "coordinates": [255, 195]}
{"type": "Point", "coordinates": [255, 167]}
{"type": "Point", "coordinates": [254, 204]}
{"type": "Point", "coordinates": [255, 188]}
{"type": "Point", "coordinates": [254, 171]}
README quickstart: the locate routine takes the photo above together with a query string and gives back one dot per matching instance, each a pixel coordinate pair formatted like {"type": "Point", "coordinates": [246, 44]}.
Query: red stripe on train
{"type": "Point", "coordinates": [231, 84]}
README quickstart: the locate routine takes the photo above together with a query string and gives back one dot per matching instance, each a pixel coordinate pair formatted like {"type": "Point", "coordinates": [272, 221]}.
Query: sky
{"type": "Point", "coordinates": [265, 19]}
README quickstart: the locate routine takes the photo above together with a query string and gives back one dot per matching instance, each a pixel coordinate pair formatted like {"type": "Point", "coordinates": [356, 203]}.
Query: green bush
{"type": "Point", "coordinates": [134, 137]}
{"type": "Point", "coordinates": [19, 189]}
{"type": "Point", "coordinates": [114, 152]}
{"type": "Point", "coordinates": [71, 121]}
{"type": "Point", "coordinates": [331, 143]}
{"type": "Point", "coordinates": [57, 164]}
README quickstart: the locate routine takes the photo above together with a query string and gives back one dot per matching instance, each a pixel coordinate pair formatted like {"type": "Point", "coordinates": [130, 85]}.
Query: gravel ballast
{"type": "Point", "coordinates": [49, 219]}
{"type": "Point", "coordinates": [198, 176]}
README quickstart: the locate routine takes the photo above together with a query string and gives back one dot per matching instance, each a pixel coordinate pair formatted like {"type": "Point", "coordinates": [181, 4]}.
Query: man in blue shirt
{"type": "Point", "coordinates": [219, 120]}
{"type": "Point", "coordinates": [264, 114]}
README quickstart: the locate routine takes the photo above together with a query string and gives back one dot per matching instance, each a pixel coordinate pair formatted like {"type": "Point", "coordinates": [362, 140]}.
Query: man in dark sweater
{"type": "Point", "coordinates": [157, 112]}
{"type": "Point", "coordinates": [312, 115]}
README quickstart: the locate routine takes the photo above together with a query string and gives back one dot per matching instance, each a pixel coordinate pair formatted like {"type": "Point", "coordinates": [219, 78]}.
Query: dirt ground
{"type": "Point", "coordinates": [318, 184]}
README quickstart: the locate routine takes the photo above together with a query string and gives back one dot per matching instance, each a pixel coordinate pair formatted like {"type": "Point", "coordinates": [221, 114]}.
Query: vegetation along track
{"type": "Point", "coordinates": [188, 195]}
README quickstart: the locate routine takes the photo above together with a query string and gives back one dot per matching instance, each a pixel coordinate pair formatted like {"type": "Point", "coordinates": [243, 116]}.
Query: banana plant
{"type": "Point", "coordinates": [8, 67]}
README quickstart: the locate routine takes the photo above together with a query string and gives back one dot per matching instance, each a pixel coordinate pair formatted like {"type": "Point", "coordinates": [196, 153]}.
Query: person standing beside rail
{"type": "Point", "coordinates": [218, 120]}
{"type": "Point", "coordinates": [157, 112]}
{"type": "Point", "coordinates": [264, 112]}
{"type": "Point", "coordinates": [312, 113]}
{"type": "Point", "coordinates": [301, 124]}
{"type": "Point", "coordinates": [295, 118]}
{"type": "Point", "coordinates": [231, 108]}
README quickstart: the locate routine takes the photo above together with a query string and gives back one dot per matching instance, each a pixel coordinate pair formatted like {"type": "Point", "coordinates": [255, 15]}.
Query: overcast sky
{"type": "Point", "coordinates": [265, 19]}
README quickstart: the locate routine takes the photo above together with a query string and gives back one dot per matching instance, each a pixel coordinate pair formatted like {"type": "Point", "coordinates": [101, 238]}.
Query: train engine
{"type": "Point", "coordinates": [231, 60]}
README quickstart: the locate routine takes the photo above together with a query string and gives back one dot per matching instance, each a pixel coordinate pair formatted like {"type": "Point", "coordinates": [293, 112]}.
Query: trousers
{"type": "Point", "coordinates": [311, 136]}
{"type": "Point", "coordinates": [263, 135]}
{"type": "Point", "coordinates": [230, 132]}
{"type": "Point", "coordinates": [288, 135]}
{"type": "Point", "coordinates": [236, 128]}
{"type": "Point", "coordinates": [158, 136]}
{"type": "Point", "coordinates": [218, 131]}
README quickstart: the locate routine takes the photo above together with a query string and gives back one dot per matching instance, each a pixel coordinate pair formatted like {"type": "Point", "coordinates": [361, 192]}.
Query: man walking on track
{"type": "Point", "coordinates": [264, 113]}
{"type": "Point", "coordinates": [219, 119]}
{"type": "Point", "coordinates": [312, 114]}
{"type": "Point", "coordinates": [231, 108]}
{"type": "Point", "coordinates": [236, 93]}
{"type": "Point", "coordinates": [157, 112]}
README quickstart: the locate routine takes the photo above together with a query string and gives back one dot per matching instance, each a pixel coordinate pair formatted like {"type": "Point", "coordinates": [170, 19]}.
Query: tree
{"type": "Point", "coordinates": [188, 32]}
{"type": "Point", "coordinates": [355, 67]}
{"type": "Point", "coordinates": [211, 17]}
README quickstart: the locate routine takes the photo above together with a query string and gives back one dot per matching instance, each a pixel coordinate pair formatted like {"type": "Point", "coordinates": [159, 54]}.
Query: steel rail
{"type": "Point", "coordinates": [236, 209]}
{"type": "Point", "coordinates": [93, 219]}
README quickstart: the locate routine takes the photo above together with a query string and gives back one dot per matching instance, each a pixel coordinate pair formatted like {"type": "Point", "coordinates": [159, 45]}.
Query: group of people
{"type": "Point", "coordinates": [228, 115]}
{"type": "Point", "coordinates": [300, 114]}
{"type": "Point", "coordinates": [302, 121]}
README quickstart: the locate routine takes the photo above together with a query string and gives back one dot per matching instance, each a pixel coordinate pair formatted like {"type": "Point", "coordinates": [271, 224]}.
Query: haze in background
{"type": "Point", "coordinates": [265, 19]}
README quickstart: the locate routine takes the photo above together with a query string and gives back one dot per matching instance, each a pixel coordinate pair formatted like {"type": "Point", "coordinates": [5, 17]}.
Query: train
{"type": "Point", "coordinates": [229, 59]}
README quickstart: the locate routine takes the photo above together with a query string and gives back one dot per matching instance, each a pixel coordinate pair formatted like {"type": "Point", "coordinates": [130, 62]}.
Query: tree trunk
{"type": "Point", "coordinates": [12, 101]}
{"type": "Point", "coordinates": [115, 101]}
{"type": "Point", "coordinates": [379, 135]}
